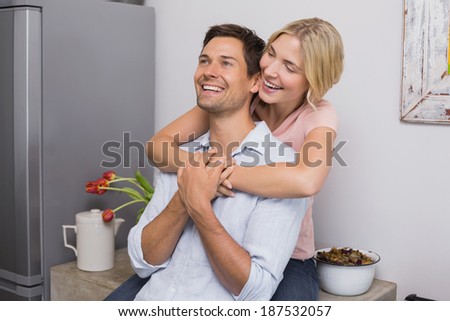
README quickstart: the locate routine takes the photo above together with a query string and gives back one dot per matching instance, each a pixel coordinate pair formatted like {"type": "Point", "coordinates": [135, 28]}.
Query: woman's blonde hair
{"type": "Point", "coordinates": [322, 51]}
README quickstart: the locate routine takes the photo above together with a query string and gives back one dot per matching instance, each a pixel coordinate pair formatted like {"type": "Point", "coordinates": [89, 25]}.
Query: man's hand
{"type": "Point", "coordinates": [211, 156]}
{"type": "Point", "coordinates": [197, 186]}
{"type": "Point", "coordinates": [198, 182]}
{"type": "Point", "coordinates": [225, 187]}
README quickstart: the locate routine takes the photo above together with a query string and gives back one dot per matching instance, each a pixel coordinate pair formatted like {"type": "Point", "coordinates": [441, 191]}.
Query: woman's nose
{"type": "Point", "coordinates": [271, 70]}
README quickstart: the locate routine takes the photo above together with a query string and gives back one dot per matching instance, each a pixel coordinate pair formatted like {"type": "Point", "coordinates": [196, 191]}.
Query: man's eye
{"type": "Point", "coordinates": [203, 61]}
{"type": "Point", "coordinates": [227, 63]}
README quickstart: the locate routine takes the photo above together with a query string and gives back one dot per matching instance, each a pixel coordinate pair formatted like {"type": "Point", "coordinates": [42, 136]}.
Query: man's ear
{"type": "Point", "coordinates": [256, 79]}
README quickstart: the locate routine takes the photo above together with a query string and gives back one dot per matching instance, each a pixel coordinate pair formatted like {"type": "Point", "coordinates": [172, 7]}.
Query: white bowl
{"type": "Point", "coordinates": [346, 280]}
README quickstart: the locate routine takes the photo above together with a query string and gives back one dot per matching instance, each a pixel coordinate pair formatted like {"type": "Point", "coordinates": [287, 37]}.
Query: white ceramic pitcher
{"type": "Point", "coordinates": [95, 240]}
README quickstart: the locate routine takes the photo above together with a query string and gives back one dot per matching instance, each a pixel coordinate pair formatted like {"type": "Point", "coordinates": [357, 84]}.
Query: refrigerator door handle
{"type": "Point", "coordinates": [20, 290]}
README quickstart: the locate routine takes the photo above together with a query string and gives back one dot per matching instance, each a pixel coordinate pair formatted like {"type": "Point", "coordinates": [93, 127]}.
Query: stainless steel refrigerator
{"type": "Point", "coordinates": [76, 80]}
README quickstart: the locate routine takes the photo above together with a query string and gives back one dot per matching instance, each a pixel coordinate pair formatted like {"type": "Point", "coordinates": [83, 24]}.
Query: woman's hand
{"type": "Point", "coordinates": [225, 187]}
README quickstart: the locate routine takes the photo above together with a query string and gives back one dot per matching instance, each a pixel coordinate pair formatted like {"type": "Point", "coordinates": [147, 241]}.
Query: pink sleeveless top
{"type": "Point", "coordinates": [293, 132]}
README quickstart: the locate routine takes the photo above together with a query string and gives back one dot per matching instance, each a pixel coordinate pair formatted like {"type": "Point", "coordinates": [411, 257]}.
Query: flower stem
{"type": "Point", "coordinates": [127, 190]}
{"type": "Point", "coordinates": [131, 180]}
{"type": "Point", "coordinates": [120, 179]}
{"type": "Point", "coordinates": [126, 204]}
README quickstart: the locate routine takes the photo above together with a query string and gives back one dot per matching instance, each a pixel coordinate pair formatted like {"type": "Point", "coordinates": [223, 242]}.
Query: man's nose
{"type": "Point", "coordinates": [212, 70]}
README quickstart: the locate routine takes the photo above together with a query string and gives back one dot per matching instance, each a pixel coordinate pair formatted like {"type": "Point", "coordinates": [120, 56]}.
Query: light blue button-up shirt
{"type": "Point", "coordinates": [266, 228]}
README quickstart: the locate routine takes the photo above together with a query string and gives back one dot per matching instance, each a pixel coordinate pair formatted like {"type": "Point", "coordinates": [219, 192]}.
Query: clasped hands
{"type": "Point", "coordinates": [204, 177]}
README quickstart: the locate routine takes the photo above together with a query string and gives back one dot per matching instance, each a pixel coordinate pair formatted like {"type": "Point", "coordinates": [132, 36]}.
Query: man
{"type": "Point", "coordinates": [198, 247]}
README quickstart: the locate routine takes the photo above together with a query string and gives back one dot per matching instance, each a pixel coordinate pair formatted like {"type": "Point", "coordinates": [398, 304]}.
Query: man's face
{"type": "Point", "coordinates": [221, 80]}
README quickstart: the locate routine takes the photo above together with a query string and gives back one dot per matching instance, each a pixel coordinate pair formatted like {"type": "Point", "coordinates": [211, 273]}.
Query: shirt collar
{"type": "Point", "coordinates": [203, 143]}
{"type": "Point", "coordinates": [255, 140]}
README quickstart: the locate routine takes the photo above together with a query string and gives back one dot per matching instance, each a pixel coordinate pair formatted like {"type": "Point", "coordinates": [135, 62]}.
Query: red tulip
{"type": "Point", "coordinates": [108, 215]}
{"type": "Point", "coordinates": [92, 187]}
{"type": "Point", "coordinates": [107, 181]}
{"type": "Point", "coordinates": [110, 175]}
{"type": "Point", "coordinates": [102, 182]}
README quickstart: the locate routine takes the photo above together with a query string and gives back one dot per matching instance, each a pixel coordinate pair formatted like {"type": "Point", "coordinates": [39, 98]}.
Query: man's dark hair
{"type": "Point", "coordinates": [253, 45]}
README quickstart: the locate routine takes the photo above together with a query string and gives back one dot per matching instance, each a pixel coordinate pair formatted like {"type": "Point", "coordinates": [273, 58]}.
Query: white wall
{"type": "Point", "coordinates": [392, 197]}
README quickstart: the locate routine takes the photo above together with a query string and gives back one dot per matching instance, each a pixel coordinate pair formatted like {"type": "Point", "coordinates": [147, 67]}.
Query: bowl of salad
{"type": "Point", "coordinates": [345, 271]}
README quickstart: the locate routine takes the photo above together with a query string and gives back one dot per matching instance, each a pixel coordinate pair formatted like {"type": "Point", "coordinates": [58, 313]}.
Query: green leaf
{"type": "Point", "coordinates": [139, 214]}
{"type": "Point", "coordinates": [132, 193]}
{"type": "Point", "coordinates": [148, 196]}
{"type": "Point", "coordinates": [144, 182]}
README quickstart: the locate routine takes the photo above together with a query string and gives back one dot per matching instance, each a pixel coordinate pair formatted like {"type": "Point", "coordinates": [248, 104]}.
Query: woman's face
{"type": "Point", "coordinates": [283, 78]}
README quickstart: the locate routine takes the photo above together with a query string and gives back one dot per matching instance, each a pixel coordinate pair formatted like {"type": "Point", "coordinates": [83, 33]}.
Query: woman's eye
{"type": "Point", "coordinates": [292, 68]}
{"type": "Point", "coordinates": [289, 69]}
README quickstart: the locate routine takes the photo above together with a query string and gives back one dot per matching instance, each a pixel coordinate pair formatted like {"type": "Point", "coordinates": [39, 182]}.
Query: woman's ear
{"type": "Point", "coordinates": [256, 83]}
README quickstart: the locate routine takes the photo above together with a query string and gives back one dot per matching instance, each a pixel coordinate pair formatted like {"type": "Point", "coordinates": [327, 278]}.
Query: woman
{"type": "Point", "coordinates": [302, 61]}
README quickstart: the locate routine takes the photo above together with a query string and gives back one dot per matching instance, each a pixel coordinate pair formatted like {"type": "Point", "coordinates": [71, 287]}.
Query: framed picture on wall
{"type": "Point", "coordinates": [426, 62]}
